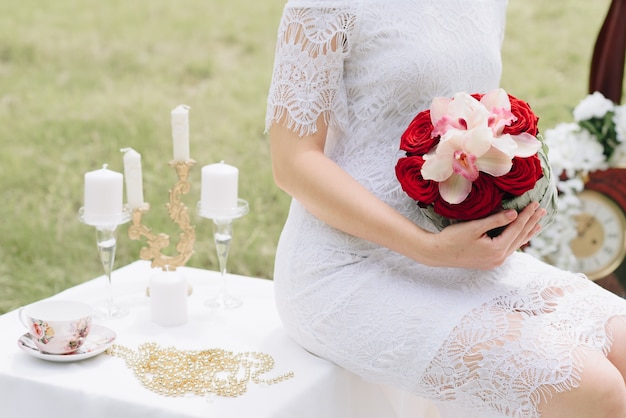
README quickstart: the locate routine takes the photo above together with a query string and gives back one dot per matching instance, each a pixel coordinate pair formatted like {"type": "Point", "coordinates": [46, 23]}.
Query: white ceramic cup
{"type": "Point", "coordinates": [57, 326]}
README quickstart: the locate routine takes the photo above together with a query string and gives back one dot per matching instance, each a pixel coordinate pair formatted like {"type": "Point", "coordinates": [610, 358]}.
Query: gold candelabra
{"type": "Point", "coordinates": [179, 214]}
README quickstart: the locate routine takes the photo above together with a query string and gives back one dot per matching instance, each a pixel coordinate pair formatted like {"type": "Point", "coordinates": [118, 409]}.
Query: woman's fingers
{"type": "Point", "coordinates": [522, 229]}
{"type": "Point", "coordinates": [498, 220]}
{"type": "Point", "coordinates": [468, 244]}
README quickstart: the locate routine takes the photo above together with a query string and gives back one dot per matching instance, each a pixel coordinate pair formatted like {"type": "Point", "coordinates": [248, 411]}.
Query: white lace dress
{"type": "Point", "coordinates": [487, 343]}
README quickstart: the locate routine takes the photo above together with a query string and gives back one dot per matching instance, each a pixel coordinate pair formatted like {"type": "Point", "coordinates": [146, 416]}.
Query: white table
{"type": "Point", "coordinates": [103, 387]}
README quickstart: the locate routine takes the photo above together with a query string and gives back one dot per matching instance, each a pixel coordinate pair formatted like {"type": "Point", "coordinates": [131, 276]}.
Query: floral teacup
{"type": "Point", "coordinates": [57, 326]}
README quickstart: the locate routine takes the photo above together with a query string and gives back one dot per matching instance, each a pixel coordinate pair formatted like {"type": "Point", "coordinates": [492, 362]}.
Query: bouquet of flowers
{"type": "Point", "coordinates": [475, 154]}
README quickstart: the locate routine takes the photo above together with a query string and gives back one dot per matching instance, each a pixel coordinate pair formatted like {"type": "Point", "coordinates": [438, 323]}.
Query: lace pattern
{"type": "Point", "coordinates": [312, 46]}
{"type": "Point", "coordinates": [522, 347]}
{"type": "Point", "coordinates": [486, 343]}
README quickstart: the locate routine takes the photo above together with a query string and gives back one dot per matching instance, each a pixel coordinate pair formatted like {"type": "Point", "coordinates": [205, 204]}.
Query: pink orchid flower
{"type": "Point", "coordinates": [498, 105]}
{"type": "Point", "coordinates": [461, 112]}
{"type": "Point", "coordinates": [459, 157]}
{"type": "Point", "coordinates": [464, 112]}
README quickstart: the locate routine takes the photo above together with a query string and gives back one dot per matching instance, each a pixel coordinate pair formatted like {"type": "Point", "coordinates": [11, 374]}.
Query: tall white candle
{"type": "Point", "coordinates": [219, 191]}
{"type": "Point", "coordinates": [133, 177]}
{"type": "Point", "coordinates": [104, 191]}
{"type": "Point", "coordinates": [180, 132]}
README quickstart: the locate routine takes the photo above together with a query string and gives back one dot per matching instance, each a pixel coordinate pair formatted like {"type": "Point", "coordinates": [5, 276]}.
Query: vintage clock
{"type": "Point", "coordinates": [600, 245]}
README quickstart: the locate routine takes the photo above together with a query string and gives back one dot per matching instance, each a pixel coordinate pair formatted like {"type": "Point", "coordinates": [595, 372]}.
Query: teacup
{"type": "Point", "coordinates": [57, 326]}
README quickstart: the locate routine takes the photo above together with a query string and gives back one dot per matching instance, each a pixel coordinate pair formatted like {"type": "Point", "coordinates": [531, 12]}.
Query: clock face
{"type": "Point", "coordinates": [600, 244]}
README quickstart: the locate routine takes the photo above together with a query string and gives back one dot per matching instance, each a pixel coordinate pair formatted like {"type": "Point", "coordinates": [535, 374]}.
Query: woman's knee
{"type": "Point", "coordinates": [617, 354]}
{"type": "Point", "coordinates": [601, 393]}
{"type": "Point", "coordinates": [604, 385]}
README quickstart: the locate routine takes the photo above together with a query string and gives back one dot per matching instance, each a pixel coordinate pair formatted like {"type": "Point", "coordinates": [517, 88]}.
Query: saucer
{"type": "Point", "coordinates": [99, 339]}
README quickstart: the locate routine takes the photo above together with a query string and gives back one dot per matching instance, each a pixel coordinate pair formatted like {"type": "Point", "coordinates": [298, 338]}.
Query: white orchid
{"type": "Point", "coordinates": [459, 157]}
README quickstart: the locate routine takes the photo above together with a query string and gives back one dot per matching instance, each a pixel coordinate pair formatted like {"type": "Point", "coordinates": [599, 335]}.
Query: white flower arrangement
{"type": "Point", "coordinates": [596, 140]}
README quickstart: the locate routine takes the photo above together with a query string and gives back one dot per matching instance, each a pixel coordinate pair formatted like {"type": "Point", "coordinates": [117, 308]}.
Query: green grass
{"type": "Point", "coordinates": [81, 79]}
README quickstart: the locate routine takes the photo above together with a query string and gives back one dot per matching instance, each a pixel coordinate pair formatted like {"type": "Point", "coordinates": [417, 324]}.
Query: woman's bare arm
{"type": "Point", "coordinates": [302, 170]}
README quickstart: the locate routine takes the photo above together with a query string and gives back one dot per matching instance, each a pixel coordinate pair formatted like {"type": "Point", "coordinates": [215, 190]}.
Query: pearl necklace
{"type": "Point", "coordinates": [173, 372]}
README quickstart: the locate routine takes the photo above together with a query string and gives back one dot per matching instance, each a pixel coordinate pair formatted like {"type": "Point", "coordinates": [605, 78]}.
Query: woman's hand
{"type": "Point", "coordinates": [468, 245]}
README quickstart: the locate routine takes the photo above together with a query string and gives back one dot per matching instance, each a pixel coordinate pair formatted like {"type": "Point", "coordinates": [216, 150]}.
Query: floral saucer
{"type": "Point", "coordinates": [99, 339]}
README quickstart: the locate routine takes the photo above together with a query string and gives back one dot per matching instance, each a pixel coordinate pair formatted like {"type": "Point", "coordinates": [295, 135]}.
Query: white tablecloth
{"type": "Point", "coordinates": [103, 387]}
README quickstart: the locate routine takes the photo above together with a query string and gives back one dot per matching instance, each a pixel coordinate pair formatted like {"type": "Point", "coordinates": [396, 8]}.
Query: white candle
{"type": "Point", "coordinates": [133, 177]}
{"type": "Point", "coordinates": [103, 196]}
{"type": "Point", "coordinates": [219, 191]}
{"type": "Point", "coordinates": [180, 132]}
{"type": "Point", "coordinates": [168, 298]}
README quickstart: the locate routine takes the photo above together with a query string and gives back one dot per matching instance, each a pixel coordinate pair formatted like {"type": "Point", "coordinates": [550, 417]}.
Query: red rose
{"type": "Point", "coordinates": [526, 118]}
{"type": "Point", "coordinates": [418, 139]}
{"type": "Point", "coordinates": [409, 173]}
{"type": "Point", "coordinates": [483, 200]}
{"type": "Point", "coordinates": [523, 175]}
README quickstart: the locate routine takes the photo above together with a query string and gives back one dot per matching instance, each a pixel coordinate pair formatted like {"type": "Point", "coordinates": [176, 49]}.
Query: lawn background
{"type": "Point", "coordinates": [81, 79]}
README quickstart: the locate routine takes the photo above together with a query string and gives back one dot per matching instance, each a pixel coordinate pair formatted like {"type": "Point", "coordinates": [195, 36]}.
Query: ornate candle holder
{"type": "Point", "coordinates": [222, 236]}
{"type": "Point", "coordinates": [168, 290]}
{"type": "Point", "coordinates": [106, 241]}
{"type": "Point", "coordinates": [179, 214]}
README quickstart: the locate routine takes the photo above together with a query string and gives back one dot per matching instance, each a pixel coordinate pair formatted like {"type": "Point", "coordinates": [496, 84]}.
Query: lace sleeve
{"type": "Point", "coordinates": [313, 42]}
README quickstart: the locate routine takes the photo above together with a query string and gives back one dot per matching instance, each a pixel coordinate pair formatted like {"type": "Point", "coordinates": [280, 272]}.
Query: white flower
{"type": "Point", "coordinates": [593, 106]}
{"type": "Point", "coordinates": [573, 150]}
{"type": "Point", "coordinates": [458, 159]}
{"type": "Point", "coordinates": [619, 119]}
{"type": "Point", "coordinates": [618, 159]}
